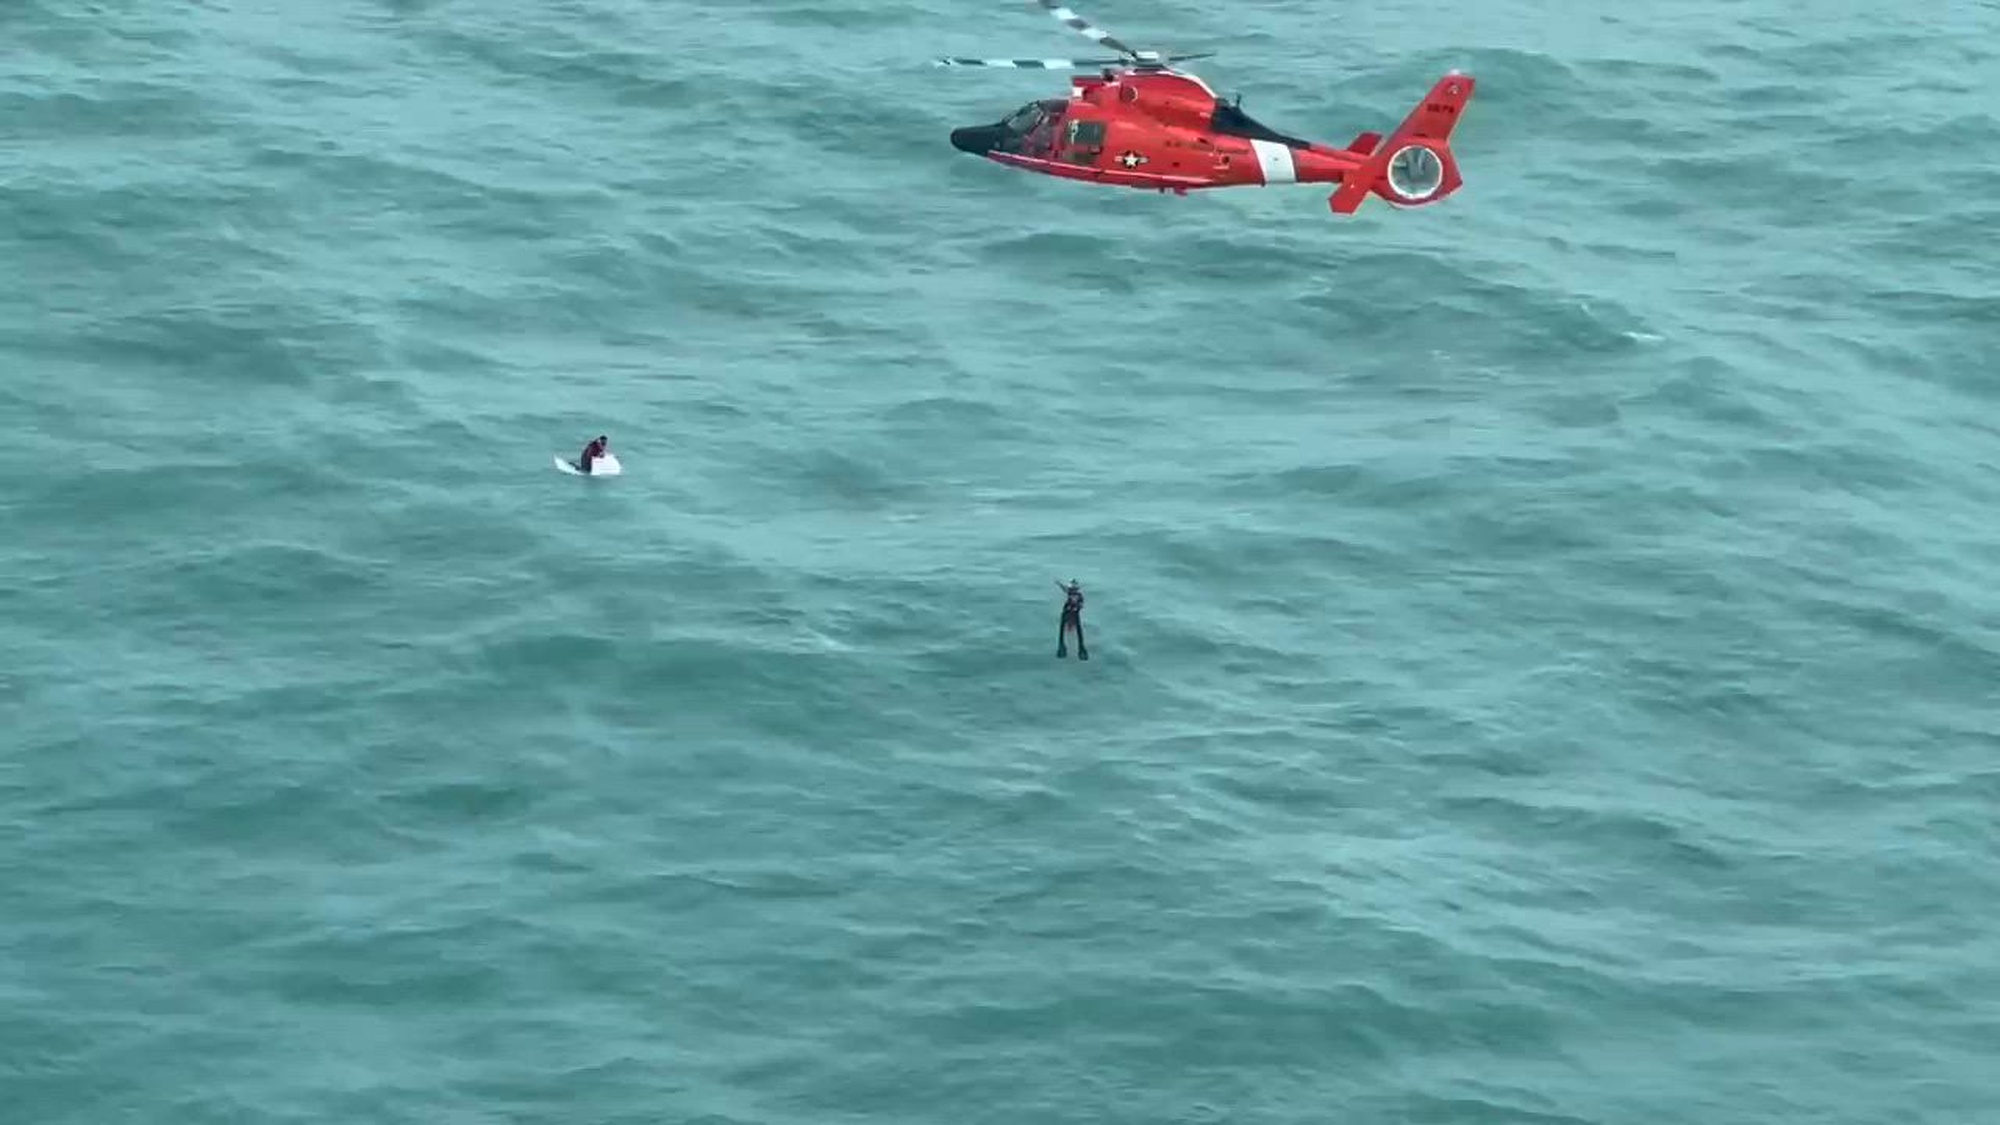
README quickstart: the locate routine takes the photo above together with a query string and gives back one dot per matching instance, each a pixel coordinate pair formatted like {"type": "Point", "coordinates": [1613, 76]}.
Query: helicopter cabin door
{"type": "Point", "coordinates": [1083, 142]}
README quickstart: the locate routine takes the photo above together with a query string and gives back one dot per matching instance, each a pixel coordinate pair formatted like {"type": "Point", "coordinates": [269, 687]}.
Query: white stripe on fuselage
{"type": "Point", "coordinates": [1276, 160]}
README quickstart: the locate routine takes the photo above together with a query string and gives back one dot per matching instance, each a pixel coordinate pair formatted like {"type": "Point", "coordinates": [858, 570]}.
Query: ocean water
{"type": "Point", "coordinates": [1545, 646]}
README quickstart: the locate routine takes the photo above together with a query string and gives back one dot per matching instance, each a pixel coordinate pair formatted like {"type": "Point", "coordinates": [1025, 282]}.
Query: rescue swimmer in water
{"type": "Point", "coordinates": [1072, 618]}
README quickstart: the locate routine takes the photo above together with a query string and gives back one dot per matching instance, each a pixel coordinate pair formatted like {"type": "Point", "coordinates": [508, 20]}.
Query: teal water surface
{"type": "Point", "coordinates": [1544, 646]}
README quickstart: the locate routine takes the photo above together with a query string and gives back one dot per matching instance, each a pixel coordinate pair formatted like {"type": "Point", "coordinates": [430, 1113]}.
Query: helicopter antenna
{"type": "Point", "coordinates": [1135, 59]}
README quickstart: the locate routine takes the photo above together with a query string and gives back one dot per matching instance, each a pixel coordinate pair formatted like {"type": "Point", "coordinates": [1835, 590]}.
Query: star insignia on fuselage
{"type": "Point", "coordinates": [1131, 159]}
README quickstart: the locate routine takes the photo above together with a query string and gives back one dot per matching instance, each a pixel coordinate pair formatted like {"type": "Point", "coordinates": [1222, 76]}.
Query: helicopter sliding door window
{"type": "Point", "coordinates": [1083, 141]}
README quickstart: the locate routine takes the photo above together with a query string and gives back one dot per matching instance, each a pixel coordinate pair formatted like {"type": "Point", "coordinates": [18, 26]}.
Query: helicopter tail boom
{"type": "Point", "coordinates": [1415, 165]}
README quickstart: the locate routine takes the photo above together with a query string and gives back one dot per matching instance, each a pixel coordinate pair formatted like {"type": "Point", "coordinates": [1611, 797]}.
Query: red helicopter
{"type": "Point", "coordinates": [1143, 124]}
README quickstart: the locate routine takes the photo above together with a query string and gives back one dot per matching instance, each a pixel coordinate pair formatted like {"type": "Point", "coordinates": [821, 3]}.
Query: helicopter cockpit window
{"type": "Point", "coordinates": [1025, 118]}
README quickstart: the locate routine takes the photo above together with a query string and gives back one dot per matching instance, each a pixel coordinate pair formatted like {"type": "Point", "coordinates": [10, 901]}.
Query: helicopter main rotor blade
{"type": "Point", "coordinates": [1142, 60]}
{"type": "Point", "coordinates": [1034, 64]}
{"type": "Point", "coordinates": [1083, 27]}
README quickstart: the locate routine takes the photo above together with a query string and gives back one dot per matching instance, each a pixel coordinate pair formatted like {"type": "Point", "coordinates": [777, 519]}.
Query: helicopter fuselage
{"type": "Point", "coordinates": [1165, 130]}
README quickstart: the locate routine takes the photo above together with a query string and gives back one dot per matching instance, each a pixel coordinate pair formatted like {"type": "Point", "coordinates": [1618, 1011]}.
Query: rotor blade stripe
{"type": "Point", "coordinates": [1030, 64]}
{"type": "Point", "coordinates": [1079, 23]}
{"type": "Point", "coordinates": [1083, 26]}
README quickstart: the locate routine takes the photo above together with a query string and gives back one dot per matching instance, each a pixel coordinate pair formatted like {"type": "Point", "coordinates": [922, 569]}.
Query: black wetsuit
{"type": "Point", "coordinates": [591, 452]}
{"type": "Point", "coordinates": [1072, 618]}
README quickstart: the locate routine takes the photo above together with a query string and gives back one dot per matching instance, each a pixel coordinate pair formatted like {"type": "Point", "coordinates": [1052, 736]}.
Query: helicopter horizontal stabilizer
{"type": "Point", "coordinates": [1352, 191]}
{"type": "Point", "coordinates": [1365, 143]}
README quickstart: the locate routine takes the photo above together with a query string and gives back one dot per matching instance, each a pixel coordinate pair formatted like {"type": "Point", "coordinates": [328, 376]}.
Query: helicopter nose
{"type": "Point", "coordinates": [977, 139]}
